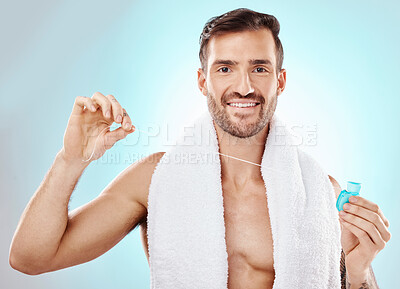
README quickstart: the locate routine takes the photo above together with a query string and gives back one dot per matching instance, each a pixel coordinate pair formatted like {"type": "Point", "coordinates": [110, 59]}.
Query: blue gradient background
{"type": "Point", "coordinates": [342, 61]}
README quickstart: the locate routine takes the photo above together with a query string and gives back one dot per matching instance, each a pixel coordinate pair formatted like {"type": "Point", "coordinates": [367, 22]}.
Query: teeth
{"type": "Point", "coordinates": [242, 104]}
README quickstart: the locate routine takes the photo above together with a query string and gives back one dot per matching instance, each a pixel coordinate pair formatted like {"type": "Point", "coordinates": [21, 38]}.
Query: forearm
{"type": "Point", "coordinates": [367, 282]}
{"type": "Point", "coordinates": [45, 218]}
{"type": "Point", "coordinates": [350, 282]}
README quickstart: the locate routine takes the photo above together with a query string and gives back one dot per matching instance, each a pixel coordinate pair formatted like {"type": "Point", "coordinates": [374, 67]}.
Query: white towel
{"type": "Point", "coordinates": [186, 230]}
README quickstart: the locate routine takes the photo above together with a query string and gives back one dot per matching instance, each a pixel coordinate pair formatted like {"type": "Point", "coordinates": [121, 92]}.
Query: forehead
{"type": "Point", "coordinates": [241, 46]}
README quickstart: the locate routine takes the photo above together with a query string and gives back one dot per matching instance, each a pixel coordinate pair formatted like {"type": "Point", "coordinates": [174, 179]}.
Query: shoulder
{"type": "Point", "coordinates": [335, 185]}
{"type": "Point", "coordinates": [135, 180]}
{"type": "Point", "coordinates": [141, 173]}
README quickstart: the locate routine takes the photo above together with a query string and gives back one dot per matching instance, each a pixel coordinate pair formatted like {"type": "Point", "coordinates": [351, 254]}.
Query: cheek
{"type": "Point", "coordinates": [214, 86]}
{"type": "Point", "coordinates": [217, 89]}
{"type": "Point", "coordinates": [268, 86]}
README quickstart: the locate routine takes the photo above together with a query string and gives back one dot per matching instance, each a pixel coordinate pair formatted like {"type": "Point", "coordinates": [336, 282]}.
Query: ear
{"type": "Point", "coordinates": [281, 81]}
{"type": "Point", "coordinates": [201, 81]}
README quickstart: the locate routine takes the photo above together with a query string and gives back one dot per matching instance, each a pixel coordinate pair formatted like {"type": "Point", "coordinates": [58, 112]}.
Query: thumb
{"type": "Point", "coordinates": [112, 137]}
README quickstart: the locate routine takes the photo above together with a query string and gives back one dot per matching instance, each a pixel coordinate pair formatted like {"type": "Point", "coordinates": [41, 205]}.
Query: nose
{"type": "Point", "coordinates": [243, 84]}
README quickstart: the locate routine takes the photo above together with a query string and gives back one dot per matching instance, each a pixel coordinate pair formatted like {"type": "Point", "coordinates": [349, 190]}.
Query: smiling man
{"type": "Point", "coordinates": [241, 75]}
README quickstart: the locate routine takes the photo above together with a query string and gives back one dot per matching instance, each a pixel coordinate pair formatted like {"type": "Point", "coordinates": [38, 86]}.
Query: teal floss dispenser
{"type": "Point", "coordinates": [353, 189]}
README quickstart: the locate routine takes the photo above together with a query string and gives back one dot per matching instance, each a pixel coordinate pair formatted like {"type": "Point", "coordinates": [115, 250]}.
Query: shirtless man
{"type": "Point", "coordinates": [241, 65]}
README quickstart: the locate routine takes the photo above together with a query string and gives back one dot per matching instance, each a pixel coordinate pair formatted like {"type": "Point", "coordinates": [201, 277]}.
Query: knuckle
{"type": "Point", "coordinates": [371, 227]}
{"type": "Point", "coordinates": [96, 94]}
{"type": "Point", "coordinates": [375, 208]}
{"type": "Point", "coordinates": [112, 100]}
{"type": "Point", "coordinates": [111, 97]}
{"type": "Point", "coordinates": [376, 218]}
{"type": "Point", "coordinates": [78, 99]}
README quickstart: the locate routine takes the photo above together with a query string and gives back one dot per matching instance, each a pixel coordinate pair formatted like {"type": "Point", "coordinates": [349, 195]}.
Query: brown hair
{"type": "Point", "coordinates": [238, 20]}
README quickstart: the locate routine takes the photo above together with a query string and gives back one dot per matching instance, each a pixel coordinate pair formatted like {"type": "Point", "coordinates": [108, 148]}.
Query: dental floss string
{"type": "Point", "coordinates": [249, 162]}
{"type": "Point", "coordinates": [95, 142]}
{"type": "Point", "coordinates": [136, 129]}
{"type": "Point", "coordinates": [91, 155]}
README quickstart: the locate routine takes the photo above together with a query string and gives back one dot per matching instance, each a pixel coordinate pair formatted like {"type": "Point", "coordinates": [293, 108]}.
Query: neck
{"type": "Point", "coordinates": [250, 149]}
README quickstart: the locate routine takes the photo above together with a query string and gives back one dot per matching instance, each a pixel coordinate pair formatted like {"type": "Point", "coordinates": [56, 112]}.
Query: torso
{"type": "Point", "coordinates": [248, 236]}
{"type": "Point", "coordinates": [247, 233]}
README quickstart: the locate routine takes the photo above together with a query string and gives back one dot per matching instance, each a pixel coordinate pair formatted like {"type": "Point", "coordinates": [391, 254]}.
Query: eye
{"type": "Point", "coordinates": [261, 69]}
{"type": "Point", "coordinates": [223, 69]}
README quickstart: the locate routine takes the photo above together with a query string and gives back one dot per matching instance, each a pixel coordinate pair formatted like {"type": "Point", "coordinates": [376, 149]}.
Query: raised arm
{"type": "Point", "coordinates": [48, 237]}
{"type": "Point", "coordinates": [96, 227]}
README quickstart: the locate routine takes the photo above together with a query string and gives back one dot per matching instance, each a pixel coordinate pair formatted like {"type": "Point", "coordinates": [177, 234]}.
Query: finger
{"type": "Point", "coordinates": [113, 136]}
{"type": "Point", "coordinates": [362, 236]}
{"type": "Point", "coordinates": [81, 102]}
{"type": "Point", "coordinates": [104, 104]}
{"type": "Point", "coordinates": [360, 201]}
{"type": "Point", "coordinates": [116, 108]}
{"type": "Point", "coordinates": [126, 122]}
{"type": "Point", "coordinates": [366, 227]}
{"type": "Point", "coordinates": [369, 216]}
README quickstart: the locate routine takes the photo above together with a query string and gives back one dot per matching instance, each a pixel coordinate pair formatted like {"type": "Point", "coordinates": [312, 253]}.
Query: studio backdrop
{"type": "Point", "coordinates": [342, 99]}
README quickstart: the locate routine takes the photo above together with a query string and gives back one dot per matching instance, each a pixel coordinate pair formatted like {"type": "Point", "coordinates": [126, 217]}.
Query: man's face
{"type": "Point", "coordinates": [241, 83]}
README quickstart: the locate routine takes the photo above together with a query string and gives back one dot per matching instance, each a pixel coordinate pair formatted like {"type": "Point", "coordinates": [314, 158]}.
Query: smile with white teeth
{"type": "Point", "coordinates": [238, 104]}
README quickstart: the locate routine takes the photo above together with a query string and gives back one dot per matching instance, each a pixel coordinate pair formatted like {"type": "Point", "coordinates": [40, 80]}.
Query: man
{"type": "Point", "coordinates": [241, 75]}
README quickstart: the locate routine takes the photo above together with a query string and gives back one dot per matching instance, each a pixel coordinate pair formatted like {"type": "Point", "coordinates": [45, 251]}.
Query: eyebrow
{"type": "Point", "coordinates": [251, 62]}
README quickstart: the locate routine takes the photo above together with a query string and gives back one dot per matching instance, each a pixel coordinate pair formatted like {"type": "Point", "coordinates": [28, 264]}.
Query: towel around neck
{"type": "Point", "coordinates": [186, 228]}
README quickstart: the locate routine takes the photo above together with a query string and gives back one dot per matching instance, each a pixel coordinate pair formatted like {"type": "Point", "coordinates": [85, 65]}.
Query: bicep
{"type": "Point", "coordinates": [97, 226]}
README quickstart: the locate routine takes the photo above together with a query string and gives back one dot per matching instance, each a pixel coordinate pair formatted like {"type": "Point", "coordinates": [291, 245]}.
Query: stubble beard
{"type": "Point", "coordinates": [241, 129]}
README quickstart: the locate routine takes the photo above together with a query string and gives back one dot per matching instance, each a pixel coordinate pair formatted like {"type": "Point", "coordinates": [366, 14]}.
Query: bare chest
{"type": "Point", "coordinates": [248, 237]}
